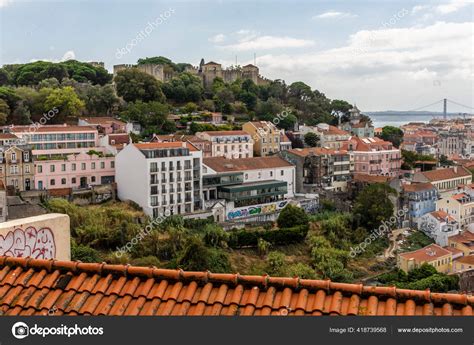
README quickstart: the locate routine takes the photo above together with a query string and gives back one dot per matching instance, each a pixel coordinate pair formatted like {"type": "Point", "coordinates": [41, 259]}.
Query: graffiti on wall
{"type": "Point", "coordinates": [256, 210]}
{"type": "Point", "coordinates": [38, 244]}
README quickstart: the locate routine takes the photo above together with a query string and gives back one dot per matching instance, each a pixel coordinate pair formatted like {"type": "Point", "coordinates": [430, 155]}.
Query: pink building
{"type": "Point", "coordinates": [75, 171]}
{"type": "Point", "coordinates": [374, 156]}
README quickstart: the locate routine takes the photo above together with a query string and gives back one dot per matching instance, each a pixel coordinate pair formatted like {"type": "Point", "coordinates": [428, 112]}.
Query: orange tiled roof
{"type": "Point", "coordinates": [426, 254]}
{"type": "Point", "coordinates": [446, 174]}
{"type": "Point", "coordinates": [359, 177]}
{"type": "Point", "coordinates": [221, 164]}
{"type": "Point", "coordinates": [469, 259]}
{"type": "Point", "coordinates": [442, 216]}
{"type": "Point", "coordinates": [33, 287]}
{"type": "Point", "coordinates": [417, 187]}
{"type": "Point", "coordinates": [317, 151]}
{"type": "Point", "coordinates": [466, 238]}
{"type": "Point", "coordinates": [224, 133]}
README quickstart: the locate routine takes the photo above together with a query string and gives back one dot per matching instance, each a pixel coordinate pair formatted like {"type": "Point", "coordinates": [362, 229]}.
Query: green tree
{"type": "Point", "coordinates": [311, 139]}
{"type": "Point", "coordinates": [100, 100]}
{"type": "Point", "coordinates": [392, 134]}
{"type": "Point", "coordinates": [66, 101]}
{"type": "Point", "coordinates": [152, 116]}
{"type": "Point", "coordinates": [275, 264]}
{"type": "Point", "coordinates": [4, 112]}
{"type": "Point", "coordinates": [215, 236]}
{"type": "Point", "coordinates": [5, 78]}
{"type": "Point", "coordinates": [292, 216]}
{"type": "Point", "coordinates": [134, 85]}
{"type": "Point", "coordinates": [373, 205]}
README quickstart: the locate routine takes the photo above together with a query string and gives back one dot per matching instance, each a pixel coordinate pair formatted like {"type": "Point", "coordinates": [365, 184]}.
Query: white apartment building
{"type": "Point", "coordinates": [163, 178]}
{"type": "Point", "coordinates": [229, 144]}
{"type": "Point", "coordinates": [438, 225]}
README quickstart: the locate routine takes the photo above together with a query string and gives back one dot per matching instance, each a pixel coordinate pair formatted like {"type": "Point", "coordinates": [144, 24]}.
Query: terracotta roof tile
{"type": "Point", "coordinates": [34, 287]}
{"type": "Point", "coordinates": [221, 164]}
{"type": "Point", "coordinates": [446, 174]}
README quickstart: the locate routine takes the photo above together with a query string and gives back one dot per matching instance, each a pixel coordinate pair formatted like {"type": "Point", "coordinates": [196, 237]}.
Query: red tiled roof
{"type": "Point", "coordinates": [442, 216]}
{"type": "Point", "coordinates": [446, 174]}
{"type": "Point", "coordinates": [224, 133]}
{"type": "Point", "coordinates": [317, 151]}
{"type": "Point", "coordinates": [417, 187]}
{"type": "Point", "coordinates": [221, 164]}
{"type": "Point", "coordinates": [358, 177]}
{"type": "Point", "coordinates": [102, 120]}
{"type": "Point", "coordinates": [7, 136]}
{"type": "Point", "coordinates": [32, 287]}
{"type": "Point", "coordinates": [466, 238]}
{"type": "Point", "coordinates": [368, 144]}
{"type": "Point", "coordinates": [426, 254]}
{"type": "Point", "coordinates": [469, 260]}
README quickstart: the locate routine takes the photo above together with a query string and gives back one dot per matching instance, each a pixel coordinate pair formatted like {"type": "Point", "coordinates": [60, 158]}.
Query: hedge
{"type": "Point", "coordinates": [249, 238]}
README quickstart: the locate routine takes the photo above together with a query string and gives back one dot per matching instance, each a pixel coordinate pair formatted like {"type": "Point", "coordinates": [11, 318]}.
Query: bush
{"type": "Point", "coordinates": [147, 261]}
{"type": "Point", "coordinates": [84, 253]}
{"type": "Point", "coordinates": [292, 216]}
{"type": "Point", "coordinates": [250, 238]}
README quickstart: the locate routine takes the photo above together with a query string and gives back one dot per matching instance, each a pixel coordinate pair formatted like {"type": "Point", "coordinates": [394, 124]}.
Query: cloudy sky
{"type": "Point", "coordinates": [380, 54]}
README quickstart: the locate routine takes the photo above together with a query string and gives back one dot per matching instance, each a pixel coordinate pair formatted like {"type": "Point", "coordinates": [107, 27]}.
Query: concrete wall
{"type": "Point", "coordinates": [42, 237]}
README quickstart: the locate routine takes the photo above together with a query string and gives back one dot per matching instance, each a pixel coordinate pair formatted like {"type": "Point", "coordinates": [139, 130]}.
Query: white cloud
{"type": "Point", "coordinates": [419, 8]}
{"type": "Point", "coordinates": [385, 66]}
{"type": "Point", "coordinates": [334, 15]}
{"type": "Point", "coordinates": [452, 6]}
{"type": "Point", "coordinates": [252, 41]}
{"type": "Point", "coordinates": [69, 55]}
{"type": "Point", "coordinates": [4, 3]}
{"type": "Point", "coordinates": [217, 38]}
{"type": "Point", "coordinates": [441, 9]}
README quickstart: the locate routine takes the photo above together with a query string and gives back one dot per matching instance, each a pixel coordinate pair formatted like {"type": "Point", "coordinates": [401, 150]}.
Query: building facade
{"type": "Point", "coordinates": [434, 255]}
{"type": "Point", "coordinates": [76, 171]}
{"type": "Point", "coordinates": [163, 178]}
{"type": "Point", "coordinates": [445, 180]}
{"type": "Point", "coordinates": [229, 144]}
{"type": "Point", "coordinates": [420, 199]}
{"type": "Point", "coordinates": [265, 135]}
{"type": "Point", "coordinates": [17, 167]}
{"type": "Point", "coordinates": [374, 156]}
{"type": "Point", "coordinates": [320, 168]}
{"type": "Point", "coordinates": [439, 226]}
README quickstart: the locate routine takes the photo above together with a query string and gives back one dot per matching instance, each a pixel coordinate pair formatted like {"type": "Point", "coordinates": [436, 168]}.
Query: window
{"type": "Point", "coordinates": [63, 181]}
{"type": "Point", "coordinates": [26, 156]}
{"type": "Point", "coordinates": [52, 182]}
{"type": "Point", "coordinates": [63, 167]}
{"type": "Point", "coordinates": [14, 169]}
{"type": "Point", "coordinates": [102, 165]}
{"type": "Point", "coordinates": [73, 180]}
{"type": "Point", "coordinates": [112, 164]}
{"type": "Point", "coordinates": [93, 178]}
{"type": "Point", "coordinates": [93, 165]}
{"type": "Point", "coordinates": [27, 169]}
{"type": "Point", "coordinates": [52, 168]}
{"type": "Point", "coordinates": [271, 173]}
{"type": "Point", "coordinates": [83, 166]}
{"type": "Point", "coordinates": [282, 172]}
{"type": "Point", "coordinates": [13, 156]}
{"type": "Point", "coordinates": [73, 167]}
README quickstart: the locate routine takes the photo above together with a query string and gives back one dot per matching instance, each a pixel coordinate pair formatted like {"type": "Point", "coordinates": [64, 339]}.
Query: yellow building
{"type": "Point", "coordinates": [434, 255]}
{"type": "Point", "coordinates": [464, 242]}
{"type": "Point", "coordinates": [265, 135]}
{"type": "Point", "coordinates": [464, 263]}
{"type": "Point", "coordinates": [460, 206]}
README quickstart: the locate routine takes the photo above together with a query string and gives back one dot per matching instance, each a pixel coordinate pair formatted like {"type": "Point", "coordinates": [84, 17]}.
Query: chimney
{"type": "Point", "coordinates": [455, 169]}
